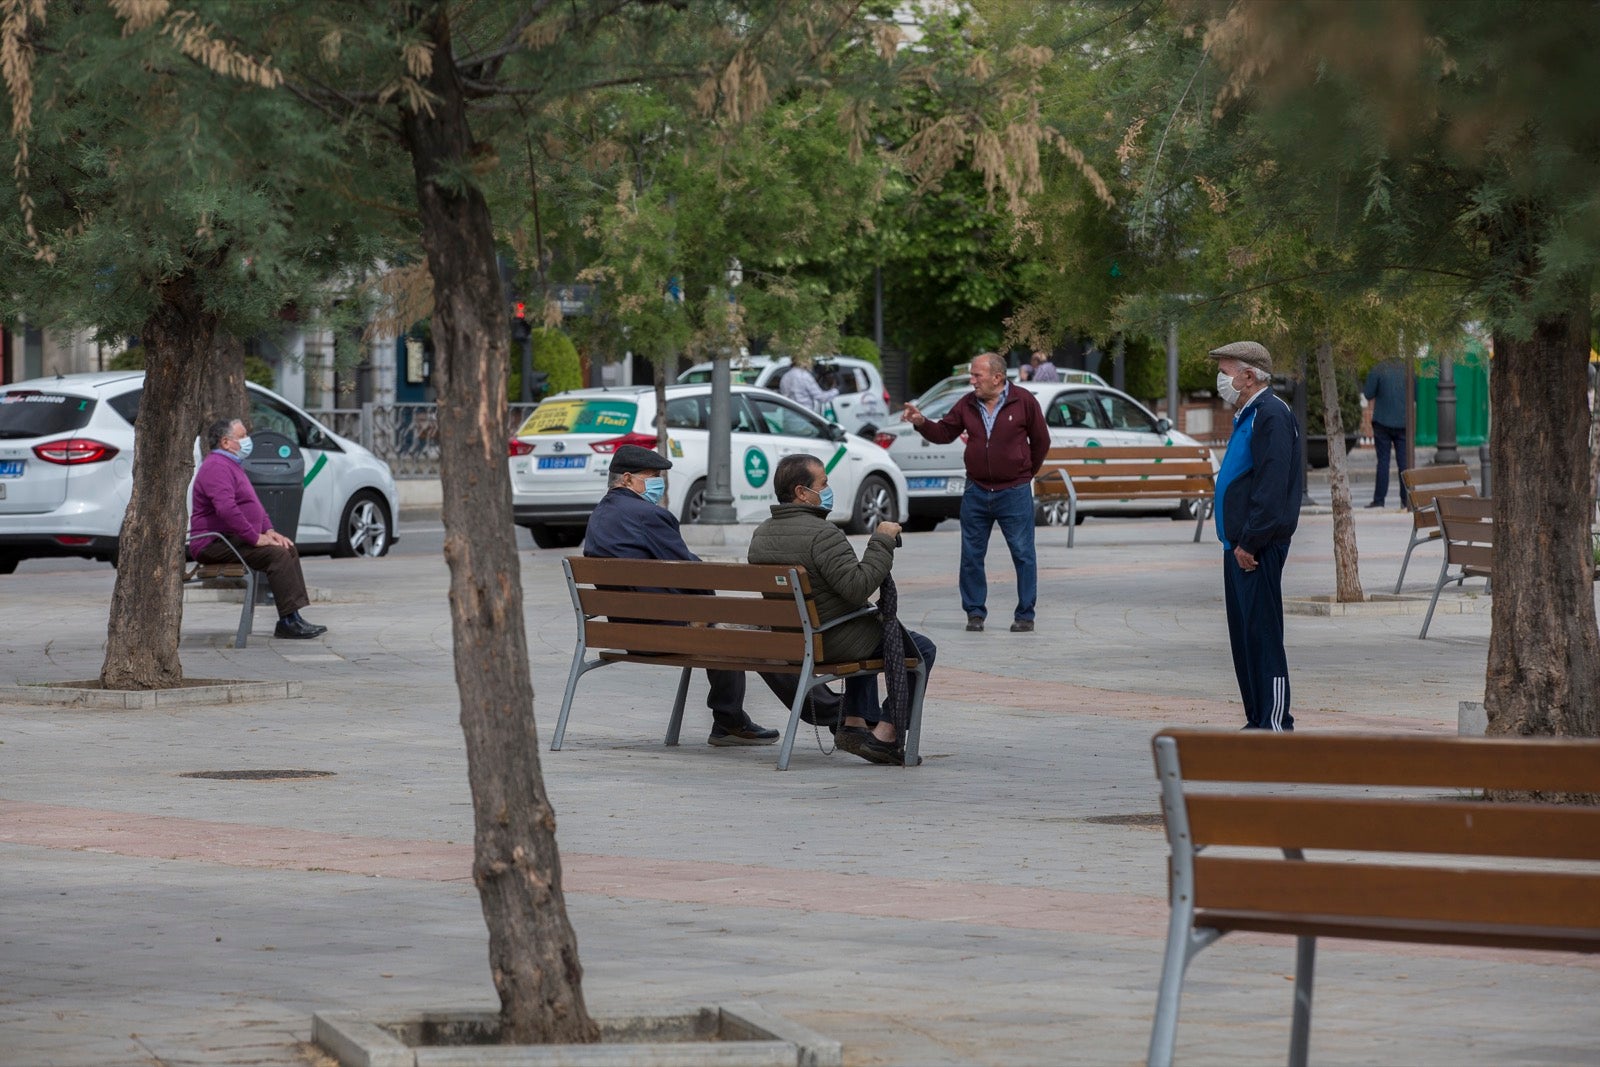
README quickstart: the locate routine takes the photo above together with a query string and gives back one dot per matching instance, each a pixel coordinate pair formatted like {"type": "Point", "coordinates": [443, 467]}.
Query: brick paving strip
{"type": "Point", "coordinates": [130, 834]}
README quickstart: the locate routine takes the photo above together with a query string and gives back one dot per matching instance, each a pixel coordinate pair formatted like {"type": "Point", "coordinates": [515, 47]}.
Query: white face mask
{"type": "Point", "coordinates": [1225, 389]}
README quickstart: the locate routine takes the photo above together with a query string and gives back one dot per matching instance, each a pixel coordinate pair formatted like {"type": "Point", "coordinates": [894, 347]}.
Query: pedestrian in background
{"type": "Point", "coordinates": [1384, 397]}
{"type": "Point", "coordinates": [1006, 444]}
{"type": "Point", "coordinates": [1257, 509]}
{"type": "Point", "coordinates": [1043, 369]}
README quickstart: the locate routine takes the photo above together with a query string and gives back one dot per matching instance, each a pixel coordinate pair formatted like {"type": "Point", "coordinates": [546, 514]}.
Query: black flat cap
{"type": "Point", "coordinates": [631, 459]}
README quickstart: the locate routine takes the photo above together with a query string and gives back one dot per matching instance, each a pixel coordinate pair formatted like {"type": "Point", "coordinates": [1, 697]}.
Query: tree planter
{"type": "Point", "coordinates": [1317, 448]}
{"type": "Point", "coordinates": [730, 1035]}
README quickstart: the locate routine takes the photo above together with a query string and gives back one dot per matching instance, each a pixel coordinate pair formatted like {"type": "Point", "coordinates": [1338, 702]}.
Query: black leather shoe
{"type": "Point", "coordinates": [859, 741]}
{"type": "Point", "coordinates": [297, 630]}
{"type": "Point", "coordinates": [745, 733]}
{"type": "Point", "coordinates": [1376, 504]}
{"type": "Point", "coordinates": [1022, 626]}
{"type": "Point", "coordinates": [975, 624]}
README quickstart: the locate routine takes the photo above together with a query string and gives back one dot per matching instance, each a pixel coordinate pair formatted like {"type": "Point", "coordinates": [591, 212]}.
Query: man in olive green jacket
{"type": "Point", "coordinates": [799, 533]}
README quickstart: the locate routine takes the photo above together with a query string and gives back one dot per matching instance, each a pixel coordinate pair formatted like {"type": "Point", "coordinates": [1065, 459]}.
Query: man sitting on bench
{"type": "Point", "coordinates": [629, 524]}
{"type": "Point", "coordinates": [226, 503]}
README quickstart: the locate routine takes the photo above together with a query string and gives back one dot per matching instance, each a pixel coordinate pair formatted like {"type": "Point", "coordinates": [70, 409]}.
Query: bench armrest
{"type": "Point", "coordinates": [192, 538]}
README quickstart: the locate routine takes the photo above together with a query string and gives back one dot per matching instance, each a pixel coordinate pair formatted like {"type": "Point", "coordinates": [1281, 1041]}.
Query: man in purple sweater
{"type": "Point", "coordinates": [225, 503]}
{"type": "Point", "coordinates": [1006, 444]}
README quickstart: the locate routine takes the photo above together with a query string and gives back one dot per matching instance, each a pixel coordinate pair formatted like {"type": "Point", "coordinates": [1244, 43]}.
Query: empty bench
{"type": "Point", "coordinates": [195, 571]}
{"type": "Point", "coordinates": [710, 616]}
{"type": "Point", "coordinates": [1137, 473]}
{"type": "Point", "coordinates": [1466, 526]}
{"type": "Point", "coordinates": [1400, 886]}
{"type": "Point", "coordinates": [1424, 487]}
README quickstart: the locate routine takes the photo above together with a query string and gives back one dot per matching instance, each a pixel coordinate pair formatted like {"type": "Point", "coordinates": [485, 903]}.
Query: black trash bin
{"type": "Point", "coordinates": [277, 470]}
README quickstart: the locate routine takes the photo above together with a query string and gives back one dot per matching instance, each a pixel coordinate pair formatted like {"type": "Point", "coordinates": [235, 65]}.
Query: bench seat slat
{"type": "Point", "coordinates": [676, 607]}
{"type": "Point", "coordinates": [1485, 935]}
{"type": "Point", "coordinates": [1378, 891]}
{"type": "Point", "coordinates": [1570, 765]}
{"type": "Point", "coordinates": [679, 574]}
{"type": "Point", "coordinates": [731, 644]}
{"type": "Point", "coordinates": [714, 663]}
{"type": "Point", "coordinates": [1465, 828]}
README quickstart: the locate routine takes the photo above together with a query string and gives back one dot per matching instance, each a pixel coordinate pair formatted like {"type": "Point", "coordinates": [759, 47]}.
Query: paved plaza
{"type": "Point", "coordinates": [1002, 904]}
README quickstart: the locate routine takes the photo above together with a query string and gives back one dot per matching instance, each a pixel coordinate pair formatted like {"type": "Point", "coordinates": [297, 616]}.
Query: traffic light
{"type": "Point", "coordinates": [520, 329]}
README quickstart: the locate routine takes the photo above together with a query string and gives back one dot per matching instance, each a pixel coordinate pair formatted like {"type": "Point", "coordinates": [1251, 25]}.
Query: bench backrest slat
{"type": "Point", "coordinates": [676, 607]}
{"type": "Point", "coordinates": [652, 638]}
{"type": "Point", "coordinates": [1425, 485]}
{"type": "Point", "coordinates": [679, 574]}
{"type": "Point", "coordinates": [1162, 452]}
{"type": "Point", "coordinates": [1377, 891]}
{"type": "Point", "coordinates": [1115, 468]}
{"type": "Point", "coordinates": [1421, 825]}
{"type": "Point", "coordinates": [1126, 487]}
{"type": "Point", "coordinates": [1568, 765]}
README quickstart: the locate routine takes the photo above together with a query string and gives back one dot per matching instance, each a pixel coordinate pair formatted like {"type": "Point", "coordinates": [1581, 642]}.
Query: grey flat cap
{"type": "Point", "coordinates": [631, 459]}
{"type": "Point", "coordinates": [1248, 352]}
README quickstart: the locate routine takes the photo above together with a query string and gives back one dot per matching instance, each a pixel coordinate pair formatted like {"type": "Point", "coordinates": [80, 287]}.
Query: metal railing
{"type": "Point", "coordinates": [405, 436]}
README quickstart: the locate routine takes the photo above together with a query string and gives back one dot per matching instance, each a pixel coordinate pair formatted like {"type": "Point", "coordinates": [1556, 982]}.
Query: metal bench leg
{"type": "Point", "coordinates": [1406, 562]}
{"type": "Point", "coordinates": [1200, 523]}
{"type": "Point", "coordinates": [1444, 579]}
{"type": "Point", "coordinates": [247, 614]}
{"type": "Point", "coordinates": [914, 727]}
{"type": "Point", "coordinates": [801, 689]}
{"type": "Point", "coordinates": [1305, 964]}
{"type": "Point", "coordinates": [676, 722]}
{"type": "Point", "coordinates": [1072, 520]}
{"type": "Point", "coordinates": [1184, 942]}
{"type": "Point", "coordinates": [579, 668]}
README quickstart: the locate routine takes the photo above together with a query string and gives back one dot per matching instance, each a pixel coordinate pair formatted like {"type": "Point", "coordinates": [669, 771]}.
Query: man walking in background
{"type": "Point", "coordinates": [1257, 509]}
{"type": "Point", "coordinates": [1384, 397]}
{"type": "Point", "coordinates": [1006, 444]}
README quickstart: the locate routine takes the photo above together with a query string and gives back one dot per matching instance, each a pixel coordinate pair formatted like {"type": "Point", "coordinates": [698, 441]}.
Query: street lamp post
{"type": "Point", "coordinates": [1446, 446]}
{"type": "Point", "coordinates": [718, 509]}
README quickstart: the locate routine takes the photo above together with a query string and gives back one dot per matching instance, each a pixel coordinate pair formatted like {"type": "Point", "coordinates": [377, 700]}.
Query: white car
{"type": "Point", "coordinates": [862, 403]}
{"type": "Point", "coordinates": [1077, 413]}
{"type": "Point", "coordinates": [960, 383]}
{"type": "Point", "coordinates": [66, 471]}
{"type": "Point", "coordinates": [561, 454]}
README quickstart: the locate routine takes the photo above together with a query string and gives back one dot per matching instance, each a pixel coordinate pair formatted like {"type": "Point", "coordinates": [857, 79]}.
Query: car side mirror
{"type": "Point", "coordinates": [836, 432]}
{"type": "Point", "coordinates": [1163, 425]}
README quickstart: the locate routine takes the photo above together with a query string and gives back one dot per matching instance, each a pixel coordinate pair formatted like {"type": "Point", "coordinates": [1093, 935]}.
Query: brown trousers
{"type": "Point", "coordinates": [280, 565]}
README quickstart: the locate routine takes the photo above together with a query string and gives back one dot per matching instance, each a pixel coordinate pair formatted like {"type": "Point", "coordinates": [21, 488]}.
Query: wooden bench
{"type": "Point", "coordinates": [1131, 472]}
{"type": "Point", "coordinates": [194, 572]}
{"type": "Point", "coordinates": [1424, 485]}
{"type": "Point", "coordinates": [1400, 887]}
{"type": "Point", "coordinates": [724, 616]}
{"type": "Point", "coordinates": [1466, 525]}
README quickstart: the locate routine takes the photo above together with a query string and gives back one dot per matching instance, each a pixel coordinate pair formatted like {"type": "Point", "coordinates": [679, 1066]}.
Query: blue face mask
{"type": "Point", "coordinates": [825, 498]}
{"type": "Point", "coordinates": [245, 447]}
{"type": "Point", "coordinates": [655, 489]}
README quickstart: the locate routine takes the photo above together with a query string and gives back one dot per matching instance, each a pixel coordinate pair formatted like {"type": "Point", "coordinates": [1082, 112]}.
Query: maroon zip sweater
{"type": "Point", "coordinates": [1016, 451]}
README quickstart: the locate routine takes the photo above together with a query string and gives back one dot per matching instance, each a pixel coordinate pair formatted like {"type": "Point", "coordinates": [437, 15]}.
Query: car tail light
{"type": "Point", "coordinates": [72, 540]}
{"type": "Point", "coordinates": [884, 439]}
{"type": "Point", "coordinates": [75, 450]}
{"type": "Point", "coordinates": [886, 402]}
{"type": "Point", "coordinates": [518, 447]}
{"type": "Point", "coordinates": [643, 440]}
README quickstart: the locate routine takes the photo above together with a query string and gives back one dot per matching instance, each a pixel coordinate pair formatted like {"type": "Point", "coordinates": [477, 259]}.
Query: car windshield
{"type": "Point", "coordinates": [34, 413]}
{"type": "Point", "coordinates": [580, 415]}
{"type": "Point", "coordinates": [702, 375]}
{"type": "Point", "coordinates": [940, 405]}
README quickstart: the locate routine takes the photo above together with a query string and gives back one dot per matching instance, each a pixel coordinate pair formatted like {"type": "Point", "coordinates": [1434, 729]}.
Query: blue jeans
{"type": "Point", "coordinates": [1013, 510]}
{"type": "Point", "coordinates": [861, 693]}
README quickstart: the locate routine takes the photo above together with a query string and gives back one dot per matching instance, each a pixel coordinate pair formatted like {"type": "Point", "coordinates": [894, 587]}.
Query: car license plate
{"type": "Point", "coordinates": [11, 468]}
{"type": "Point", "coordinates": [926, 483]}
{"type": "Point", "coordinates": [561, 463]}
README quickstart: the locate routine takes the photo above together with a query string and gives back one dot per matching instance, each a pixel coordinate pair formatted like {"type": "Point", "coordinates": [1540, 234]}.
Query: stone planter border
{"type": "Point", "coordinates": [1380, 604]}
{"type": "Point", "coordinates": [218, 692]}
{"type": "Point", "coordinates": [742, 1034]}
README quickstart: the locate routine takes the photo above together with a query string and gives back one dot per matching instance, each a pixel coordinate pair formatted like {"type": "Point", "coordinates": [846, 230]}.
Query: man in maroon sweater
{"type": "Point", "coordinates": [1006, 445]}
{"type": "Point", "coordinates": [225, 503]}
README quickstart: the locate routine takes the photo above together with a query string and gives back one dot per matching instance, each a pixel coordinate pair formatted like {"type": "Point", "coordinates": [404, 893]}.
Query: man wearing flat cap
{"type": "Point", "coordinates": [628, 523]}
{"type": "Point", "coordinates": [1257, 509]}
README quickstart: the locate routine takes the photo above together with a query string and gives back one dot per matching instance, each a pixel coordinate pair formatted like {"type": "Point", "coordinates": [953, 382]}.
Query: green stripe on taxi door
{"type": "Point", "coordinates": [834, 462]}
{"type": "Point", "coordinates": [322, 461]}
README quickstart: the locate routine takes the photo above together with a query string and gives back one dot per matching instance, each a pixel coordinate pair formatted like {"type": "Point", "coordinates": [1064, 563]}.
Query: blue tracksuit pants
{"type": "Point", "coordinates": [1255, 628]}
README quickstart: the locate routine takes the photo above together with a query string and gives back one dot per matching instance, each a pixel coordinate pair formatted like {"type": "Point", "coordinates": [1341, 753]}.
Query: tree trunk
{"type": "Point", "coordinates": [222, 394]}
{"type": "Point", "coordinates": [533, 952]}
{"type": "Point", "coordinates": [147, 600]}
{"type": "Point", "coordinates": [1346, 559]}
{"type": "Point", "coordinates": [1544, 650]}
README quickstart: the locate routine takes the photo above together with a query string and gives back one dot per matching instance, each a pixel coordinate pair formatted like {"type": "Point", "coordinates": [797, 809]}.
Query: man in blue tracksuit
{"type": "Point", "coordinates": [1257, 509]}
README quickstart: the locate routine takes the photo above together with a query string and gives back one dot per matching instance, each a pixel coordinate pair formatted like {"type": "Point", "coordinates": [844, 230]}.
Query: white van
{"type": "Point", "coordinates": [862, 403]}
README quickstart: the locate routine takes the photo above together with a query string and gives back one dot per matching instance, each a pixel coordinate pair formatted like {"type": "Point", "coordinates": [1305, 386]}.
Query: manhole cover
{"type": "Point", "coordinates": [255, 776]}
{"type": "Point", "coordinates": [1138, 818]}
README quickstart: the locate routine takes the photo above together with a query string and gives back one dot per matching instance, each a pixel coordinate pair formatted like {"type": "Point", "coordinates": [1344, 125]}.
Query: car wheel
{"type": "Point", "coordinates": [1186, 511]}
{"type": "Point", "coordinates": [8, 562]}
{"type": "Point", "coordinates": [874, 504]}
{"type": "Point", "coordinates": [1052, 513]}
{"type": "Point", "coordinates": [694, 503]}
{"type": "Point", "coordinates": [548, 536]}
{"type": "Point", "coordinates": [921, 523]}
{"type": "Point", "coordinates": [364, 527]}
